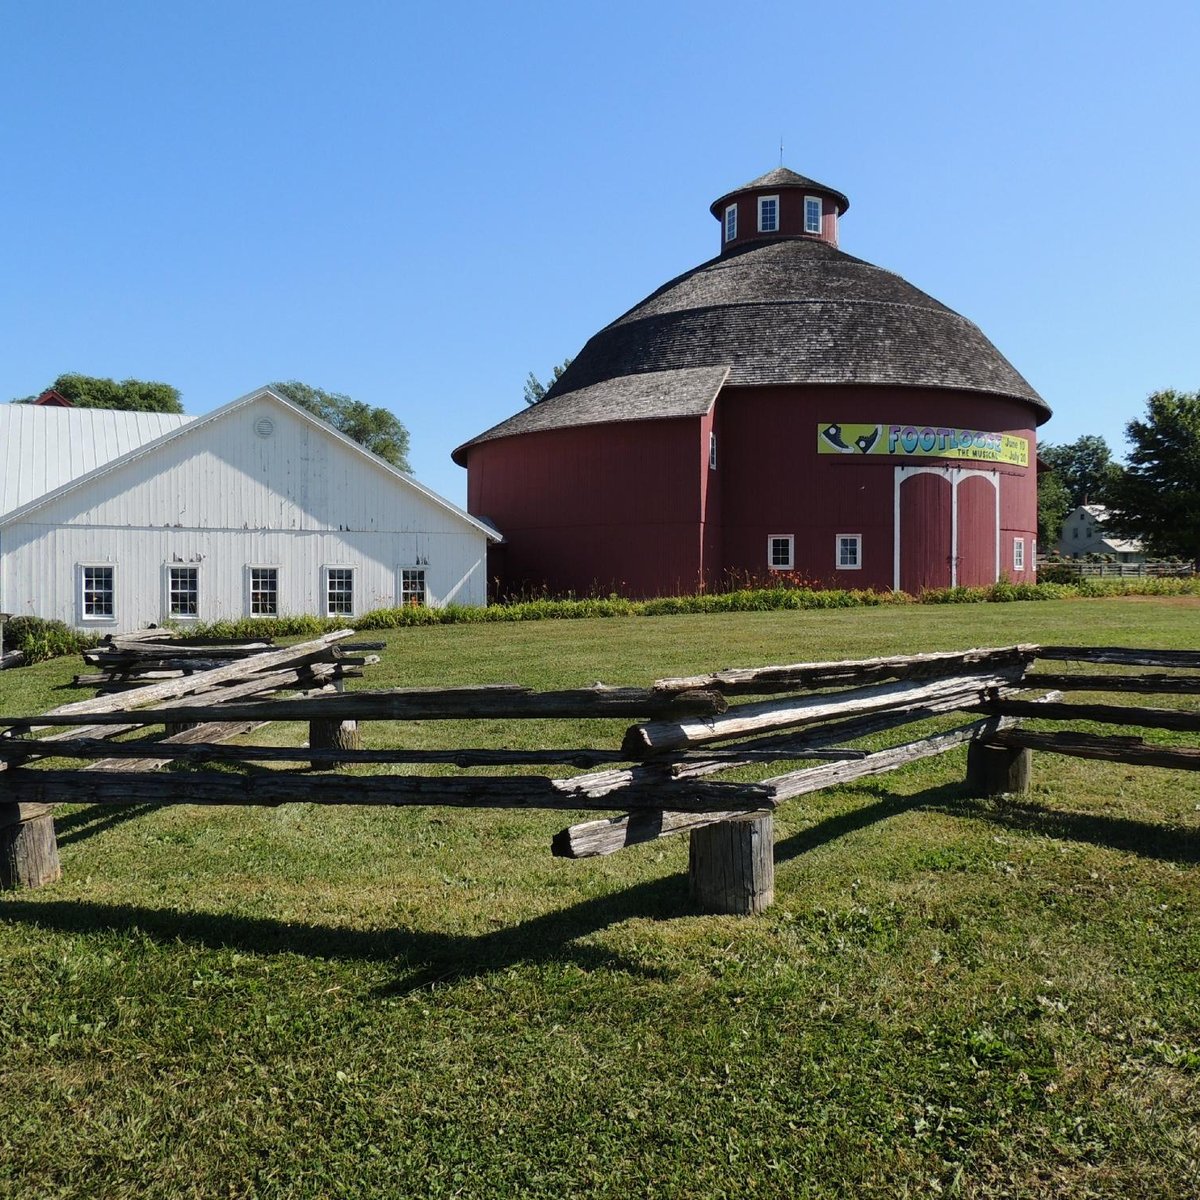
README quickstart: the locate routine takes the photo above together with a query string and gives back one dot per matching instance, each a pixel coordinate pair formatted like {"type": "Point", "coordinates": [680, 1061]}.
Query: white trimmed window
{"type": "Point", "coordinates": [339, 591]}
{"type": "Point", "coordinates": [812, 214]}
{"type": "Point", "coordinates": [848, 551]}
{"type": "Point", "coordinates": [264, 591]}
{"type": "Point", "coordinates": [1018, 554]}
{"type": "Point", "coordinates": [731, 222]}
{"type": "Point", "coordinates": [412, 587]}
{"type": "Point", "coordinates": [712, 451]}
{"type": "Point", "coordinates": [97, 592]}
{"type": "Point", "coordinates": [781, 551]}
{"type": "Point", "coordinates": [768, 214]}
{"type": "Point", "coordinates": [183, 592]}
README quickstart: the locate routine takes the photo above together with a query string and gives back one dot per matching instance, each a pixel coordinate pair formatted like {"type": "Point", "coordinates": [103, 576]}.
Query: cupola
{"type": "Point", "coordinates": [779, 204]}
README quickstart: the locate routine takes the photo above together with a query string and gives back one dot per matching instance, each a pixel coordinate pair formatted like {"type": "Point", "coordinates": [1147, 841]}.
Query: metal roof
{"type": "Point", "coordinates": [43, 447]}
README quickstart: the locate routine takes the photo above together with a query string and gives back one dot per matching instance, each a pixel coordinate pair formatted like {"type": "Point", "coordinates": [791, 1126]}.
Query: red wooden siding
{"type": "Point", "coordinates": [976, 532]}
{"type": "Point", "coordinates": [633, 506]}
{"type": "Point", "coordinates": [925, 547]}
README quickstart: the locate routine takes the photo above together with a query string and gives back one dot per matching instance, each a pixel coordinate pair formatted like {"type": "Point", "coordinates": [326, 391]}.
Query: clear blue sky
{"type": "Point", "coordinates": [418, 204]}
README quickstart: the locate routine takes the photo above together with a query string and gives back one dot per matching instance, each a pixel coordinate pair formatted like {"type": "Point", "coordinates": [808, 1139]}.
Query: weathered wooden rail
{"type": "Point", "coordinates": [658, 782]}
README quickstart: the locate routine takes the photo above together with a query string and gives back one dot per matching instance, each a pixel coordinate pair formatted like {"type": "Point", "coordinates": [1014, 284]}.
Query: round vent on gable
{"type": "Point", "coordinates": [264, 427]}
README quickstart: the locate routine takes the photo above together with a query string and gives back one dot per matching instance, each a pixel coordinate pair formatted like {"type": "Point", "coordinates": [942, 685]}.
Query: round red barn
{"type": "Point", "coordinates": [782, 407]}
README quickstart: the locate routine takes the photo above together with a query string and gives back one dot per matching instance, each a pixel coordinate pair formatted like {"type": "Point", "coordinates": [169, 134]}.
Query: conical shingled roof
{"type": "Point", "coordinates": [782, 177]}
{"type": "Point", "coordinates": [789, 310]}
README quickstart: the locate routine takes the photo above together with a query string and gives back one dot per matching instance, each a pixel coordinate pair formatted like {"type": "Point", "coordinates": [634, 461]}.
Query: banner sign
{"type": "Point", "coordinates": [922, 441]}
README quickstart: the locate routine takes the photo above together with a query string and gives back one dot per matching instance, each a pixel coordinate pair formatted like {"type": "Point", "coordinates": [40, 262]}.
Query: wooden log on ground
{"type": "Point", "coordinates": [1105, 714]}
{"type": "Point", "coordinates": [1124, 656]}
{"type": "Point", "coordinates": [111, 680]}
{"type": "Point", "coordinates": [138, 635]}
{"type": "Point", "coordinates": [211, 732]}
{"type": "Point", "coordinates": [1133, 751]}
{"type": "Point", "coordinates": [21, 751]}
{"type": "Point", "coordinates": [795, 676]}
{"type": "Point", "coordinates": [591, 838]}
{"type": "Point", "coordinates": [814, 779]}
{"type": "Point", "coordinates": [731, 865]}
{"type": "Point", "coordinates": [46, 747]}
{"type": "Point", "coordinates": [994, 770]}
{"type": "Point", "coordinates": [193, 685]}
{"type": "Point", "coordinates": [1182, 685]}
{"type": "Point", "coordinates": [642, 741]}
{"type": "Point", "coordinates": [412, 704]}
{"type": "Point", "coordinates": [28, 847]}
{"type": "Point", "coordinates": [272, 788]}
{"type": "Point", "coordinates": [138, 651]}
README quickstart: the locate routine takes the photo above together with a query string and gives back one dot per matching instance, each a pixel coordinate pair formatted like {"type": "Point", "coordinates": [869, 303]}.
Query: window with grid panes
{"type": "Point", "coordinates": [98, 593]}
{"type": "Point", "coordinates": [183, 591]}
{"type": "Point", "coordinates": [339, 592]}
{"type": "Point", "coordinates": [264, 591]}
{"type": "Point", "coordinates": [412, 586]}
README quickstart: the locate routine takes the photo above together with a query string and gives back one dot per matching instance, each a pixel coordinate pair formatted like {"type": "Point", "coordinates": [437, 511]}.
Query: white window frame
{"type": "Point", "coordinates": [762, 200]}
{"type": "Point", "coordinates": [730, 222]}
{"type": "Point", "coordinates": [712, 450]}
{"type": "Point", "coordinates": [790, 539]}
{"type": "Point", "coordinates": [856, 540]}
{"type": "Point", "coordinates": [326, 575]}
{"type": "Point", "coordinates": [168, 613]}
{"type": "Point", "coordinates": [1018, 554]}
{"type": "Point", "coordinates": [81, 570]}
{"type": "Point", "coordinates": [809, 228]}
{"type": "Point", "coordinates": [401, 602]}
{"type": "Point", "coordinates": [250, 569]}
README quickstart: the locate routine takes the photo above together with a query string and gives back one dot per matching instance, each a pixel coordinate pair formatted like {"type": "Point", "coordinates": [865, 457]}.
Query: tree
{"type": "Point", "coordinates": [535, 389]}
{"type": "Point", "coordinates": [1053, 504]}
{"type": "Point", "coordinates": [379, 430]}
{"type": "Point", "coordinates": [1157, 498]}
{"type": "Point", "coordinates": [1085, 467]}
{"type": "Point", "coordinates": [132, 395]}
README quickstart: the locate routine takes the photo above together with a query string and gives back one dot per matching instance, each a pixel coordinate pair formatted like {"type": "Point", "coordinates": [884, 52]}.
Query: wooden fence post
{"type": "Point", "coordinates": [997, 770]}
{"type": "Point", "coordinates": [333, 735]}
{"type": "Point", "coordinates": [731, 865]}
{"type": "Point", "coordinates": [28, 847]}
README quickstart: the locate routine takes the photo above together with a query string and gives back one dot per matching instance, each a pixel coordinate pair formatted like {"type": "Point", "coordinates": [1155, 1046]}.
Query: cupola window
{"type": "Point", "coordinates": [731, 223]}
{"type": "Point", "coordinates": [768, 214]}
{"type": "Point", "coordinates": [812, 214]}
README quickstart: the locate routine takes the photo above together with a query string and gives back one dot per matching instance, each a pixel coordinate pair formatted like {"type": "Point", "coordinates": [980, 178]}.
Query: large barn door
{"type": "Point", "coordinates": [925, 529]}
{"type": "Point", "coordinates": [977, 504]}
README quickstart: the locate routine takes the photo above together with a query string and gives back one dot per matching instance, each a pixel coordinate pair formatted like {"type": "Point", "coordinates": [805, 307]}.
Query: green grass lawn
{"type": "Point", "coordinates": [950, 996]}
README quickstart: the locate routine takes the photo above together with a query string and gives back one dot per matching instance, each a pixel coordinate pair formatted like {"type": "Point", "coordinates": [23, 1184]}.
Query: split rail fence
{"type": "Point", "coordinates": [668, 775]}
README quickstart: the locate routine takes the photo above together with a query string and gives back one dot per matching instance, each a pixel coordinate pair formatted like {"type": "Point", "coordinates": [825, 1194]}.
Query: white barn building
{"type": "Point", "coordinates": [112, 521]}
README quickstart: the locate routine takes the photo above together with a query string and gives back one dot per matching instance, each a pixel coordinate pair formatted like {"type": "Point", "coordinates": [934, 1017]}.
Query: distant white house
{"type": "Point", "coordinates": [1083, 533]}
{"type": "Point", "coordinates": [112, 521]}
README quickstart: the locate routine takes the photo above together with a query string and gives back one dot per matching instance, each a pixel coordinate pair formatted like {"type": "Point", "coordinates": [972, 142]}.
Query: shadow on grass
{"type": "Point", "coordinates": [1168, 843]}
{"type": "Point", "coordinates": [832, 828]}
{"type": "Point", "coordinates": [424, 958]}
{"type": "Point", "coordinates": [79, 826]}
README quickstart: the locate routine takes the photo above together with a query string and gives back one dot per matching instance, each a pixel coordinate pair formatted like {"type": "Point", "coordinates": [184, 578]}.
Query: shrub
{"type": "Point", "coordinates": [39, 639]}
